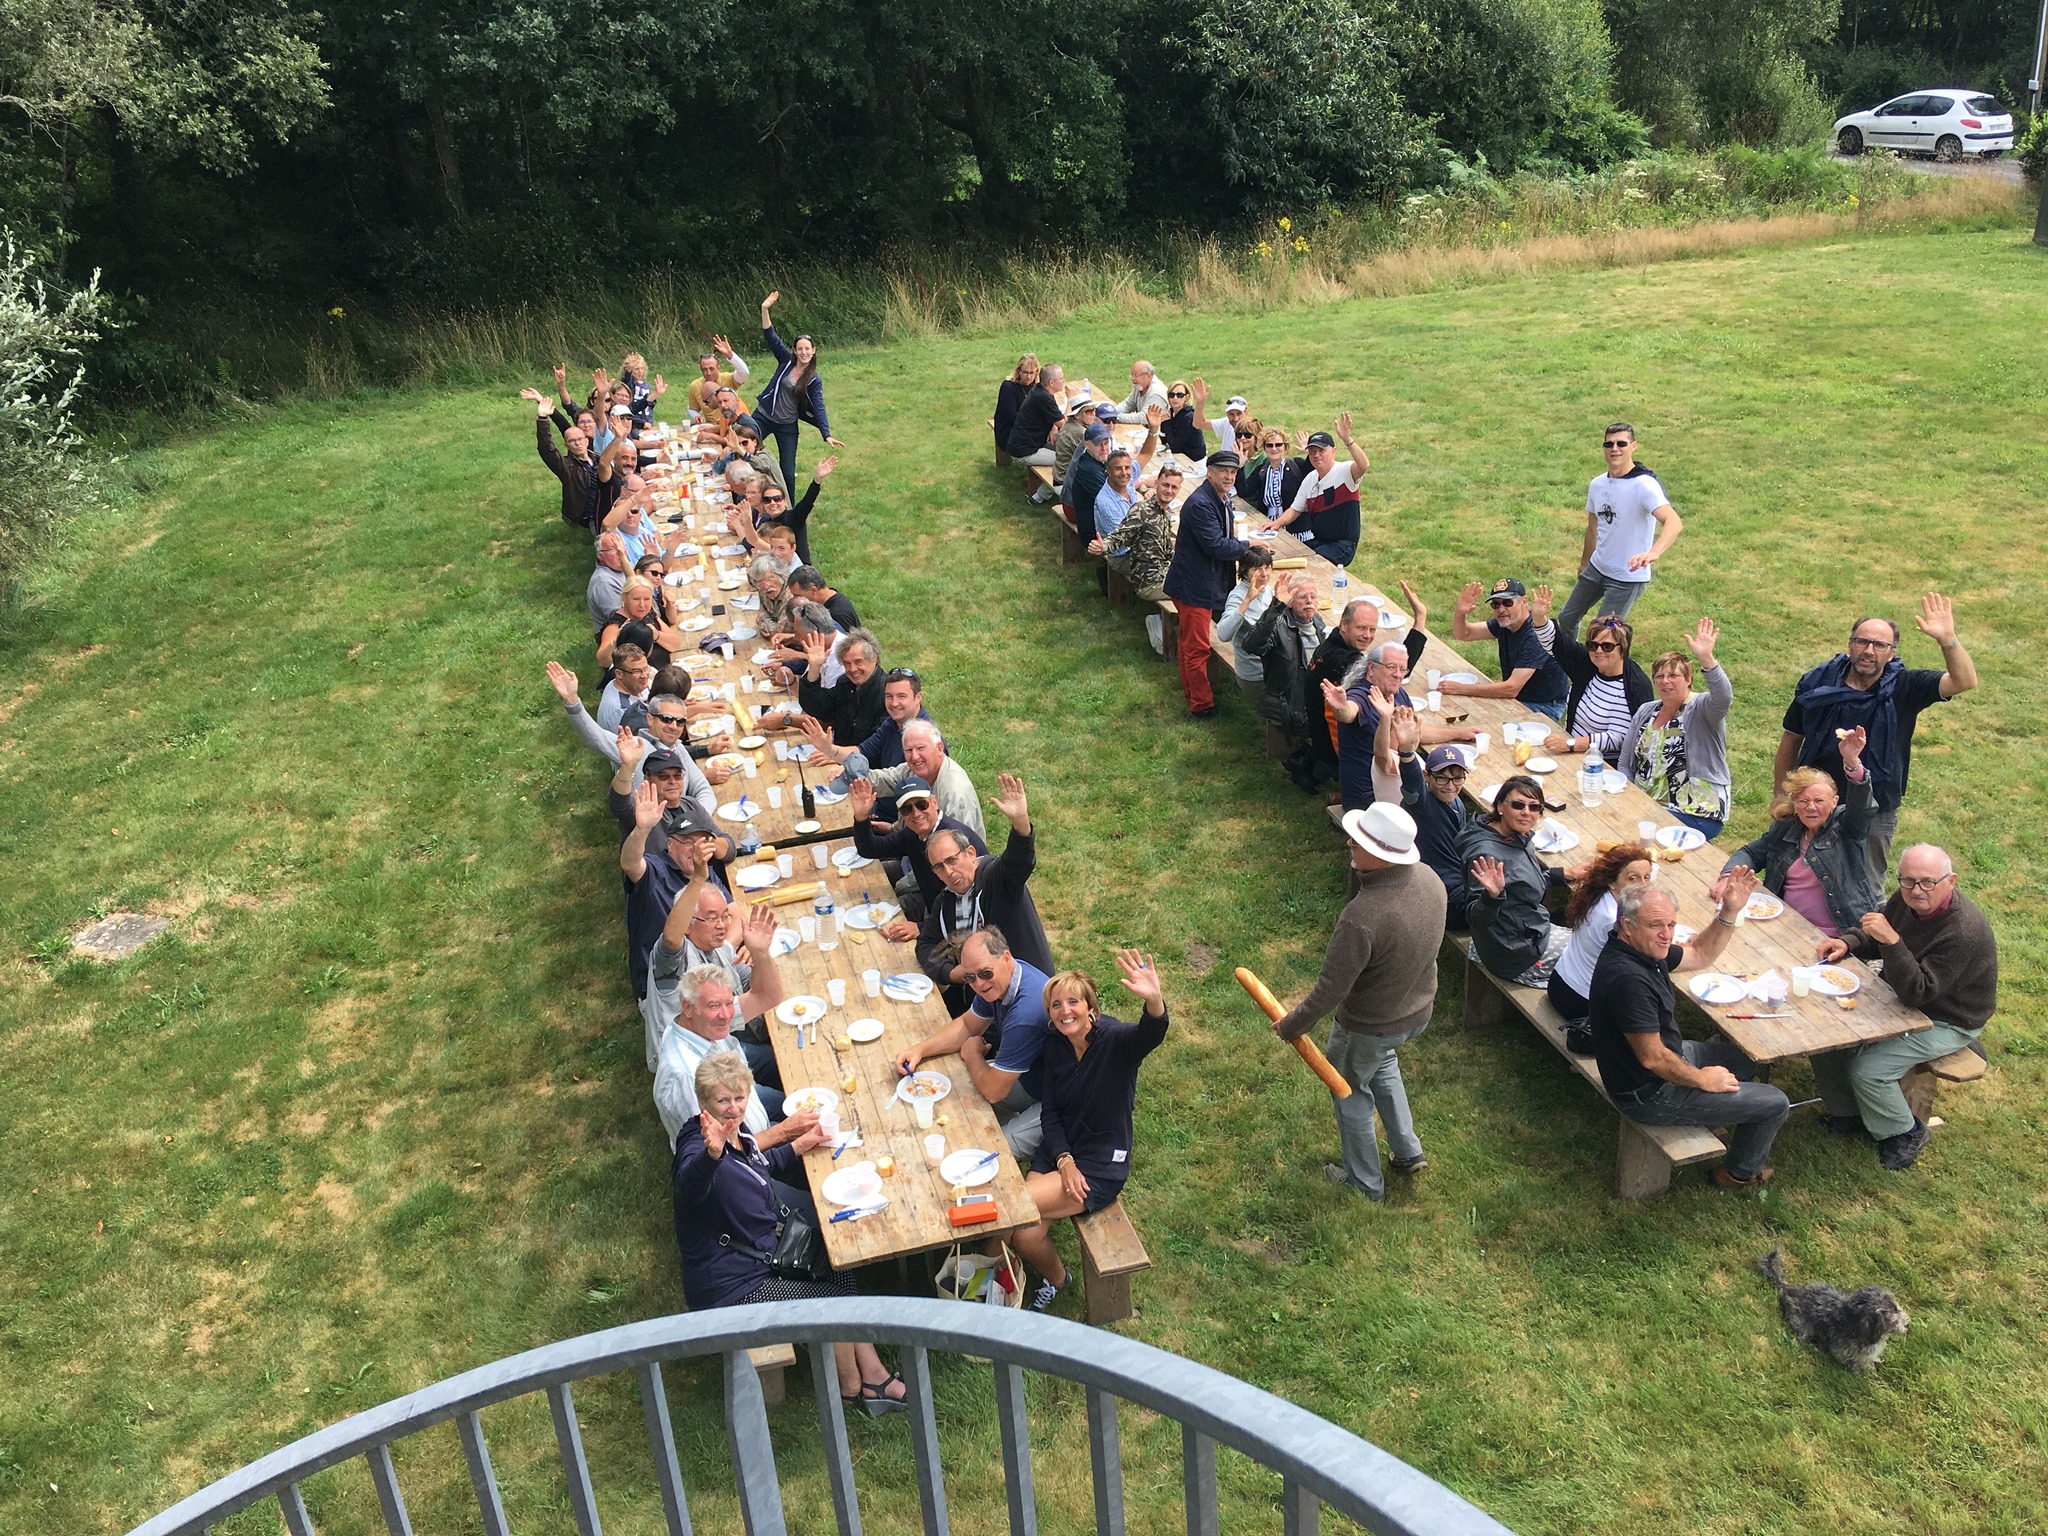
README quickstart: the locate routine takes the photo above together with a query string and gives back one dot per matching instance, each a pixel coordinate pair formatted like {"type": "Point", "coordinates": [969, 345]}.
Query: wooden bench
{"type": "Point", "coordinates": [1647, 1153]}
{"type": "Point", "coordinates": [769, 1362]}
{"type": "Point", "coordinates": [1110, 1254]}
{"type": "Point", "coordinates": [1964, 1066]}
{"type": "Point", "coordinates": [1003, 460]}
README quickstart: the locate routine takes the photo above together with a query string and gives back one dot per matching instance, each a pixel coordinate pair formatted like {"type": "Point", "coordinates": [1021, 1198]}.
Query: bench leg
{"type": "Point", "coordinates": [1072, 550]}
{"type": "Point", "coordinates": [1484, 1005]}
{"type": "Point", "coordinates": [1642, 1170]}
{"type": "Point", "coordinates": [1119, 593]}
{"type": "Point", "coordinates": [771, 1385]}
{"type": "Point", "coordinates": [1109, 1296]}
{"type": "Point", "coordinates": [1919, 1085]}
{"type": "Point", "coordinates": [1170, 635]}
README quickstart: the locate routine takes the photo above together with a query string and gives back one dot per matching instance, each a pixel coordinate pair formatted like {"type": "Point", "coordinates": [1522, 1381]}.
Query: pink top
{"type": "Point", "coordinates": [1803, 894]}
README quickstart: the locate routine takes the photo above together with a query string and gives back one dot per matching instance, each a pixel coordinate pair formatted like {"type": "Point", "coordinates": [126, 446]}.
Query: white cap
{"type": "Point", "coordinates": [1384, 831]}
{"type": "Point", "coordinates": [1235, 403]}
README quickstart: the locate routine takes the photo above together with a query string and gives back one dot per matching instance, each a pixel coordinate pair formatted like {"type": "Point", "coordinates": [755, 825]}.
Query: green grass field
{"type": "Point", "coordinates": [375, 1111]}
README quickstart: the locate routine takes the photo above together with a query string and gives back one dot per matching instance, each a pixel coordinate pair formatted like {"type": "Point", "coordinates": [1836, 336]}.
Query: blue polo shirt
{"type": "Point", "coordinates": [1018, 1027]}
{"type": "Point", "coordinates": [1520, 648]}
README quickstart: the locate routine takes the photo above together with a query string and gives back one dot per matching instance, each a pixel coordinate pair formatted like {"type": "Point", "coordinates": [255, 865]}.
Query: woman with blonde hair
{"type": "Point", "coordinates": [642, 620]}
{"type": "Point", "coordinates": [728, 1219]}
{"type": "Point", "coordinates": [1010, 395]}
{"type": "Point", "coordinates": [1812, 853]}
{"type": "Point", "coordinates": [633, 374]}
{"type": "Point", "coordinates": [1090, 1093]}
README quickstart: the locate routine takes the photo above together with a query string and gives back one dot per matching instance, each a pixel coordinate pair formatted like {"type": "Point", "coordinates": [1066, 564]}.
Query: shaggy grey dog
{"type": "Point", "coordinates": [1853, 1328]}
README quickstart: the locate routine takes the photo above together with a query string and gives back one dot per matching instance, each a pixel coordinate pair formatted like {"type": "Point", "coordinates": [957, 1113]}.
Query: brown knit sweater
{"type": "Point", "coordinates": [1947, 966]}
{"type": "Point", "coordinates": [1379, 972]}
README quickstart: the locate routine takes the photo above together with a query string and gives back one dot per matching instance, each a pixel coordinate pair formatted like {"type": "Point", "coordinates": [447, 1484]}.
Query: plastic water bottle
{"type": "Point", "coordinates": [1339, 581]}
{"type": "Point", "coordinates": [1592, 777]}
{"type": "Point", "coordinates": [750, 840]}
{"type": "Point", "coordinates": [821, 909]}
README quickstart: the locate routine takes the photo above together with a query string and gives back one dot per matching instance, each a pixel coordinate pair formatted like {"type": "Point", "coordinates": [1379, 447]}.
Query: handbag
{"type": "Point", "coordinates": [799, 1249]}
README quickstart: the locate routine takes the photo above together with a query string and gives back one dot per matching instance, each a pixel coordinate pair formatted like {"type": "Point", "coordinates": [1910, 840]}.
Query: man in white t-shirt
{"type": "Point", "coordinates": [1324, 512]}
{"type": "Point", "coordinates": [1629, 526]}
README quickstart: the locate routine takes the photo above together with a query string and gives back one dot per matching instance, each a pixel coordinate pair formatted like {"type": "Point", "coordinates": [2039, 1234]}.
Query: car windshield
{"type": "Point", "coordinates": [1986, 106]}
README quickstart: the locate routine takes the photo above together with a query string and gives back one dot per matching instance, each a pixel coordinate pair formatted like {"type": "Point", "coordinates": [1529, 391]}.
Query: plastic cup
{"type": "Point", "coordinates": [748, 768]}
{"type": "Point", "coordinates": [1481, 742]}
{"type": "Point", "coordinates": [746, 682]}
{"type": "Point", "coordinates": [828, 1122]}
{"type": "Point", "coordinates": [786, 863]}
{"type": "Point", "coordinates": [1436, 701]}
{"type": "Point", "coordinates": [726, 650]}
{"type": "Point", "coordinates": [835, 989]}
{"type": "Point", "coordinates": [774, 797]}
{"type": "Point", "coordinates": [820, 855]}
{"type": "Point", "coordinates": [782, 751]}
{"type": "Point", "coordinates": [1802, 979]}
{"type": "Point", "coordinates": [871, 982]}
{"type": "Point", "coordinates": [807, 928]}
{"type": "Point", "coordinates": [935, 1149]}
{"type": "Point", "coordinates": [729, 692]}
{"type": "Point", "coordinates": [922, 1109]}
{"type": "Point", "coordinates": [1647, 831]}
{"type": "Point", "coordinates": [1434, 676]}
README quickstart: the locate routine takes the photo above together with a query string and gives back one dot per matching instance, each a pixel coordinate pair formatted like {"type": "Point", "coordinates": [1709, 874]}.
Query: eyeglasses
{"type": "Point", "coordinates": [1922, 886]}
{"type": "Point", "coordinates": [1449, 775]}
{"type": "Point", "coordinates": [1616, 442]}
{"type": "Point", "coordinates": [982, 975]}
{"type": "Point", "coordinates": [902, 675]}
{"type": "Point", "coordinates": [1603, 645]}
{"type": "Point", "coordinates": [1521, 805]}
{"type": "Point", "coordinates": [1872, 645]}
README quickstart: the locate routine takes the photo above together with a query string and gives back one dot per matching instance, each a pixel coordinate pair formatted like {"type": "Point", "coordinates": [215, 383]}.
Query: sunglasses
{"type": "Point", "coordinates": [902, 675]}
{"type": "Point", "coordinates": [1277, 442]}
{"type": "Point", "coordinates": [1176, 394]}
{"type": "Point", "coordinates": [1616, 442]}
{"type": "Point", "coordinates": [1522, 805]}
{"type": "Point", "coordinates": [668, 719]}
{"type": "Point", "coordinates": [773, 499]}
{"type": "Point", "coordinates": [1603, 645]}
{"type": "Point", "coordinates": [982, 975]}
{"type": "Point", "coordinates": [1500, 602]}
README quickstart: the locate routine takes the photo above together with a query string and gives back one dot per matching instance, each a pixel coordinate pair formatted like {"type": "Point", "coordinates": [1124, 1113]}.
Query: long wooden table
{"type": "Point", "coordinates": [703, 524]}
{"type": "Point", "coordinates": [914, 1221]}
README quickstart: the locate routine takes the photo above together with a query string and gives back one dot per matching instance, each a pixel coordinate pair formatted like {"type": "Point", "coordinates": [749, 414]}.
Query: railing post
{"type": "Point", "coordinates": [1198, 1472]}
{"type": "Point", "coordinates": [832, 1426]}
{"type": "Point", "coordinates": [481, 1478]}
{"type": "Point", "coordinates": [661, 1440]}
{"type": "Point", "coordinates": [1301, 1512]}
{"type": "Point", "coordinates": [293, 1503]}
{"type": "Point", "coordinates": [1010, 1421]}
{"type": "Point", "coordinates": [1105, 1457]}
{"type": "Point", "coordinates": [753, 1453]}
{"type": "Point", "coordinates": [389, 1499]}
{"type": "Point", "coordinates": [569, 1440]}
{"type": "Point", "coordinates": [924, 1439]}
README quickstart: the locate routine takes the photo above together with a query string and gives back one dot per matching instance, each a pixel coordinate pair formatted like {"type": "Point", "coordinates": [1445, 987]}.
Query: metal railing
{"type": "Point", "coordinates": [1318, 1462]}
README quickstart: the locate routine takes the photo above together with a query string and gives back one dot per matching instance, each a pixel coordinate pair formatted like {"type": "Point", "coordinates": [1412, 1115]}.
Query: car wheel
{"type": "Point", "coordinates": [1849, 142]}
{"type": "Point", "coordinates": [1948, 149]}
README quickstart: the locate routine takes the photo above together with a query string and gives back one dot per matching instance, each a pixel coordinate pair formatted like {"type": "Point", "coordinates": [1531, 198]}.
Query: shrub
{"type": "Point", "coordinates": [2031, 149]}
{"type": "Point", "coordinates": [44, 478]}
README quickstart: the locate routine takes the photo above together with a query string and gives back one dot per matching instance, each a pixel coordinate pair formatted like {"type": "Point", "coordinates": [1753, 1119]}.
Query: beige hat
{"type": "Point", "coordinates": [1384, 831]}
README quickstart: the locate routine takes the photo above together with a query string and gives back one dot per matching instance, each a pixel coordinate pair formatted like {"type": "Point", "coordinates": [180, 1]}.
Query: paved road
{"type": "Point", "coordinates": [2005, 169]}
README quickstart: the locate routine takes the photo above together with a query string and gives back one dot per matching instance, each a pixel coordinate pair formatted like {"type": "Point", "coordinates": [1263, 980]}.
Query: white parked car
{"type": "Point", "coordinates": [1947, 124]}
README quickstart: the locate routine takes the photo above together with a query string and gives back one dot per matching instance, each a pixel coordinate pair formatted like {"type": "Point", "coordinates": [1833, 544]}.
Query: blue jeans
{"type": "Point", "coordinates": [1705, 824]}
{"type": "Point", "coordinates": [1554, 709]}
{"type": "Point", "coordinates": [1599, 595]}
{"type": "Point", "coordinates": [1754, 1110]}
{"type": "Point", "coordinates": [1369, 1065]}
{"type": "Point", "coordinates": [784, 433]}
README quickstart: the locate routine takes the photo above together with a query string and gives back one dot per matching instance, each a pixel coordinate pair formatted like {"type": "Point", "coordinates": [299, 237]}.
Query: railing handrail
{"type": "Point", "coordinates": [1349, 1473]}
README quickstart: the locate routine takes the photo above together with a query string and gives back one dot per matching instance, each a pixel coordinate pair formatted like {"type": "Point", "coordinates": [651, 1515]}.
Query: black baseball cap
{"type": "Point", "coordinates": [687, 820]}
{"type": "Point", "coordinates": [1507, 586]}
{"type": "Point", "coordinates": [1321, 440]}
{"type": "Point", "coordinates": [660, 762]}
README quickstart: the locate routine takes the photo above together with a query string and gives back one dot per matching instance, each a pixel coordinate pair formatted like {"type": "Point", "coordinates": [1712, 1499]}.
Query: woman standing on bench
{"type": "Point", "coordinates": [1091, 1093]}
{"type": "Point", "coordinates": [1590, 913]}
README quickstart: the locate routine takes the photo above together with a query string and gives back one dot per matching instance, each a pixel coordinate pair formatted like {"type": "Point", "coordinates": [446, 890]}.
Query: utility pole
{"type": "Point", "coordinates": [2034, 100]}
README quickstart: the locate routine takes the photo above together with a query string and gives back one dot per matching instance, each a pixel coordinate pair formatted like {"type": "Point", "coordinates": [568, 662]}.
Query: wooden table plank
{"type": "Point", "coordinates": [915, 1219]}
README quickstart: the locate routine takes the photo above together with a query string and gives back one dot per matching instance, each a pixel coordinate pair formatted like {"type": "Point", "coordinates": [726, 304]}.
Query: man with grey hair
{"type": "Point", "coordinates": [607, 584]}
{"type": "Point", "coordinates": [1941, 957]}
{"type": "Point", "coordinates": [808, 583]}
{"type": "Point", "coordinates": [704, 929]}
{"type": "Point", "coordinates": [980, 890]}
{"type": "Point", "coordinates": [1146, 391]}
{"type": "Point", "coordinates": [704, 1013]}
{"type": "Point", "coordinates": [851, 709]}
{"type": "Point", "coordinates": [924, 755]}
{"type": "Point", "coordinates": [1653, 1073]}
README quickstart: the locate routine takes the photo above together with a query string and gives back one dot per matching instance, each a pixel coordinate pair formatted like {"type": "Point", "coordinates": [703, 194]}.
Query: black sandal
{"type": "Point", "coordinates": [874, 1396]}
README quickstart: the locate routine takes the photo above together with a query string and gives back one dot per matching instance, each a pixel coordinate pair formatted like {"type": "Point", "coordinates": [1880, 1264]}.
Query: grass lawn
{"type": "Point", "coordinates": [375, 1111]}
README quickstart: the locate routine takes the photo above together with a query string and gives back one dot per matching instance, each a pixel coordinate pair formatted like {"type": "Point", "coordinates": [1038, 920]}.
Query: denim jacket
{"type": "Point", "coordinates": [1836, 857]}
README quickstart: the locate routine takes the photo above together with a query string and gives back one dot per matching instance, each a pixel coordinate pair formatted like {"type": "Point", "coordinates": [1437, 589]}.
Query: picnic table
{"type": "Point", "coordinates": [915, 1219]}
{"type": "Point", "coordinates": [708, 583]}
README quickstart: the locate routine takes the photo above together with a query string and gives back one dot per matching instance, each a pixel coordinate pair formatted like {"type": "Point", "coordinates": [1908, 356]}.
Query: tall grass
{"type": "Point", "coordinates": [1474, 228]}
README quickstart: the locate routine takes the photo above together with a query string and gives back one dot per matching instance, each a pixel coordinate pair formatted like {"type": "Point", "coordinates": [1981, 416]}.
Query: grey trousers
{"type": "Point", "coordinates": [1274, 739]}
{"type": "Point", "coordinates": [1600, 596]}
{"type": "Point", "coordinates": [1754, 1110]}
{"type": "Point", "coordinates": [1877, 847]}
{"type": "Point", "coordinates": [1368, 1064]}
{"type": "Point", "coordinates": [1864, 1080]}
{"type": "Point", "coordinates": [1022, 1121]}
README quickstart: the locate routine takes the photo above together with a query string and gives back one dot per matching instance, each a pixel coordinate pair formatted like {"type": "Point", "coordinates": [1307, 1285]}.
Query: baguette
{"type": "Point", "coordinates": [788, 894]}
{"type": "Point", "coordinates": [1304, 1047]}
{"type": "Point", "coordinates": [1291, 563]}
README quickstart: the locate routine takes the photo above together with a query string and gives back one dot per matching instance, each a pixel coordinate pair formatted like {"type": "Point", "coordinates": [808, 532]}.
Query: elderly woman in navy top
{"type": "Point", "coordinates": [794, 394]}
{"type": "Point", "coordinates": [727, 1221]}
{"type": "Point", "coordinates": [1091, 1090]}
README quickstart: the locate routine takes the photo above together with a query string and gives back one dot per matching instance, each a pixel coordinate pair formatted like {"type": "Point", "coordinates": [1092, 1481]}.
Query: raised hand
{"type": "Point", "coordinates": [1010, 797]}
{"type": "Point", "coordinates": [1141, 976]}
{"type": "Point", "coordinates": [564, 681]}
{"type": "Point", "coordinates": [1735, 888]}
{"type": "Point", "coordinates": [814, 730]}
{"type": "Point", "coordinates": [769, 302]}
{"type": "Point", "coordinates": [1418, 610]}
{"type": "Point", "coordinates": [1382, 702]}
{"type": "Point", "coordinates": [632, 747]}
{"type": "Point", "coordinates": [1469, 595]}
{"type": "Point", "coordinates": [1539, 605]}
{"type": "Point", "coordinates": [1338, 701]}
{"type": "Point", "coordinates": [722, 347]}
{"type": "Point", "coordinates": [759, 929]}
{"type": "Point", "coordinates": [647, 806]}
{"type": "Point", "coordinates": [825, 466]}
{"type": "Point", "coordinates": [1700, 642]}
{"type": "Point", "coordinates": [534, 395]}
{"type": "Point", "coordinates": [660, 386]}
{"type": "Point", "coordinates": [1155, 413]}
{"type": "Point", "coordinates": [1937, 619]}
{"type": "Point", "coordinates": [1491, 876]}
{"type": "Point", "coordinates": [1407, 729]}
{"type": "Point", "coordinates": [1852, 743]}
{"type": "Point", "coordinates": [817, 645]}
{"type": "Point", "coordinates": [714, 1133]}
{"type": "Point", "coordinates": [1344, 427]}
{"type": "Point", "coordinates": [561, 375]}
{"type": "Point", "coordinates": [861, 793]}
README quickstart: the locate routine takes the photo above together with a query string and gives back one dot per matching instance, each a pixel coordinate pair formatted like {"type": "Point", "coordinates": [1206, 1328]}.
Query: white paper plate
{"type": "Point", "coordinates": [851, 858]}
{"type": "Point", "coordinates": [1553, 839]}
{"type": "Point", "coordinates": [746, 600]}
{"type": "Point", "coordinates": [801, 1009]}
{"type": "Point", "coordinates": [1763, 906]}
{"type": "Point", "coordinates": [1461, 677]}
{"type": "Point", "coordinates": [1486, 793]}
{"type": "Point", "coordinates": [806, 828]}
{"type": "Point", "coordinates": [752, 743]}
{"type": "Point", "coordinates": [685, 604]}
{"type": "Point", "coordinates": [695, 623]}
{"type": "Point", "coordinates": [969, 1166]}
{"type": "Point", "coordinates": [710, 725]}
{"type": "Point", "coordinates": [756, 877]}
{"type": "Point", "coordinates": [864, 1030]}
{"type": "Point", "coordinates": [823, 1100]}
{"type": "Point", "coordinates": [1683, 935]}
{"type": "Point", "coordinates": [908, 987]}
{"type": "Point", "coordinates": [731, 584]}
{"type": "Point", "coordinates": [743, 631]}
{"type": "Point", "coordinates": [858, 1185]}
{"type": "Point", "coordinates": [763, 656]}
{"type": "Point", "coordinates": [824, 796]}
{"type": "Point", "coordinates": [1687, 838]}
{"type": "Point", "coordinates": [787, 941]}
{"type": "Point", "coordinates": [1837, 981]}
{"type": "Point", "coordinates": [1613, 782]}
{"type": "Point", "coordinates": [939, 1084]}
{"type": "Point", "coordinates": [740, 810]}
{"type": "Point", "coordinates": [1541, 765]}
{"type": "Point", "coordinates": [1714, 987]}
{"type": "Point", "coordinates": [872, 916]}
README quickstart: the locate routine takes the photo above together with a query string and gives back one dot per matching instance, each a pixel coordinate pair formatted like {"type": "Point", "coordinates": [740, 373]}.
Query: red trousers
{"type": "Point", "coordinates": [1195, 625]}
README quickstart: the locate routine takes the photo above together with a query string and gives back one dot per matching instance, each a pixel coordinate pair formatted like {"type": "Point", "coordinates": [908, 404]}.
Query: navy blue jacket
{"type": "Point", "coordinates": [1204, 564]}
{"type": "Point", "coordinates": [810, 405]}
{"type": "Point", "coordinates": [730, 1197]}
